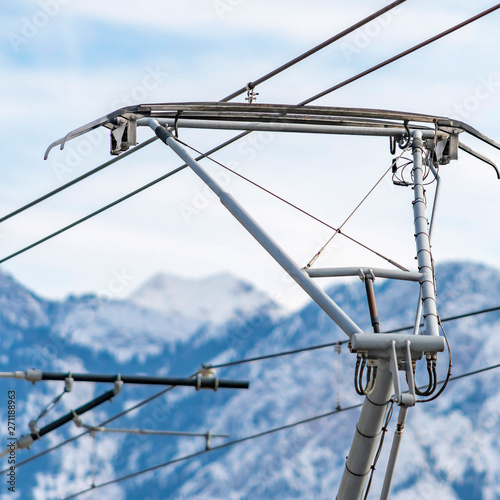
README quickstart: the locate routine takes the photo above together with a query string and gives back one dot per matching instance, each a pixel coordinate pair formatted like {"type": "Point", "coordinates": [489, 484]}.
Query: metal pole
{"type": "Point", "coordinates": [295, 272]}
{"type": "Point", "coordinates": [199, 382]}
{"type": "Point", "coordinates": [308, 128]}
{"type": "Point", "coordinates": [367, 434]}
{"type": "Point", "coordinates": [372, 304]}
{"type": "Point", "coordinates": [398, 435]}
{"type": "Point", "coordinates": [330, 272]}
{"type": "Point", "coordinates": [422, 239]}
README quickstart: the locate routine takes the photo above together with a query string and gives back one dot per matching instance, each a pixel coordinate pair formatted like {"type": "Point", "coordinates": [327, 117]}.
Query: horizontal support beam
{"type": "Point", "coordinates": [331, 272]}
{"type": "Point", "coordinates": [199, 382]}
{"type": "Point", "coordinates": [378, 345]}
{"type": "Point", "coordinates": [289, 127]}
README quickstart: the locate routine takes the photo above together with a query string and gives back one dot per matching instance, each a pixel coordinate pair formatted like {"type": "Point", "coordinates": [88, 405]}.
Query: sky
{"type": "Point", "coordinates": [65, 63]}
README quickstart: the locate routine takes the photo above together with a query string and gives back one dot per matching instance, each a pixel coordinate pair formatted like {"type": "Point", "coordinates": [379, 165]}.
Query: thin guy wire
{"type": "Point", "coordinates": [400, 55]}
{"type": "Point", "coordinates": [251, 85]}
{"type": "Point", "coordinates": [294, 206]}
{"type": "Point", "coordinates": [339, 230]}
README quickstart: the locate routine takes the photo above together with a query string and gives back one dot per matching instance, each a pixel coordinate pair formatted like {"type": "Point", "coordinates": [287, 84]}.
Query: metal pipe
{"type": "Point", "coordinates": [424, 256]}
{"type": "Point", "coordinates": [331, 272]}
{"type": "Point", "coordinates": [418, 314]}
{"type": "Point", "coordinates": [287, 127]}
{"type": "Point", "coordinates": [398, 435]}
{"type": "Point", "coordinates": [234, 207]}
{"type": "Point", "coordinates": [372, 304]}
{"type": "Point", "coordinates": [198, 382]}
{"type": "Point", "coordinates": [366, 437]}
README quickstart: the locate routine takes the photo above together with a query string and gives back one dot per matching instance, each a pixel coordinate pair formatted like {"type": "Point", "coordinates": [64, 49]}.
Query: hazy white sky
{"type": "Point", "coordinates": [65, 63]}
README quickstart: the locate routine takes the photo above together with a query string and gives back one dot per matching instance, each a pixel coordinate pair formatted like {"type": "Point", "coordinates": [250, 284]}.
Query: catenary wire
{"type": "Point", "coordinates": [400, 55]}
{"type": "Point", "coordinates": [450, 318]}
{"type": "Point", "coordinates": [78, 436]}
{"type": "Point", "coordinates": [116, 202]}
{"type": "Point", "coordinates": [250, 85]}
{"type": "Point", "coordinates": [312, 51]}
{"type": "Point", "coordinates": [216, 448]}
{"type": "Point", "coordinates": [307, 101]}
{"type": "Point", "coordinates": [298, 208]}
{"type": "Point", "coordinates": [333, 344]}
{"type": "Point", "coordinates": [304, 102]}
{"type": "Point", "coordinates": [254, 436]}
{"type": "Point", "coordinates": [249, 360]}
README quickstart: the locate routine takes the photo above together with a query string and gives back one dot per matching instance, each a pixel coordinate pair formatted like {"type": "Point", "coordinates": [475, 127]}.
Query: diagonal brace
{"type": "Point", "coordinates": [237, 210]}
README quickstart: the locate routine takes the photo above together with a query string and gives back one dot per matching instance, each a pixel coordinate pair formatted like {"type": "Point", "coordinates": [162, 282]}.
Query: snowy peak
{"type": "Point", "coordinates": [215, 299]}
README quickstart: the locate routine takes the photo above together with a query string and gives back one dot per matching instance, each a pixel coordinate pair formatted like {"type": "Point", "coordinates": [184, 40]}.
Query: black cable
{"type": "Point", "coordinates": [102, 424]}
{"type": "Point", "coordinates": [276, 355]}
{"type": "Point", "coordinates": [379, 449]}
{"type": "Point", "coordinates": [215, 448]}
{"type": "Point", "coordinates": [307, 101]}
{"type": "Point", "coordinates": [312, 51]}
{"type": "Point", "coordinates": [78, 179]}
{"type": "Point", "coordinates": [248, 360]}
{"type": "Point", "coordinates": [450, 318]}
{"type": "Point", "coordinates": [250, 85]}
{"type": "Point", "coordinates": [448, 375]}
{"type": "Point", "coordinates": [116, 202]}
{"type": "Point", "coordinates": [400, 55]}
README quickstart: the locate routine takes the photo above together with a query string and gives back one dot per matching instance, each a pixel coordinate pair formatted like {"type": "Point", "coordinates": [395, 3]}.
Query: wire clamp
{"type": "Point", "coordinates": [68, 383]}
{"type": "Point", "coordinates": [118, 385]}
{"type": "Point", "coordinates": [251, 94]}
{"type": "Point", "coordinates": [33, 425]}
{"type": "Point", "coordinates": [208, 437]}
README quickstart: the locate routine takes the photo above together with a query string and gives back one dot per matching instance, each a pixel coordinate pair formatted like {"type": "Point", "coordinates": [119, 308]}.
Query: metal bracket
{"type": "Point", "coordinates": [401, 351]}
{"type": "Point", "coordinates": [402, 399]}
{"type": "Point", "coordinates": [123, 134]}
{"type": "Point", "coordinates": [447, 149]}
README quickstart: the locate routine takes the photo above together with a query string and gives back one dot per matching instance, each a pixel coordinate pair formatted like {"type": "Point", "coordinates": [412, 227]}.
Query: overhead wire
{"type": "Point", "coordinates": [230, 97]}
{"type": "Point", "coordinates": [116, 202]}
{"type": "Point", "coordinates": [255, 436]}
{"type": "Point", "coordinates": [216, 448]}
{"type": "Point", "coordinates": [77, 179]}
{"type": "Point", "coordinates": [312, 51]}
{"type": "Point", "coordinates": [400, 55]}
{"type": "Point", "coordinates": [250, 360]}
{"type": "Point", "coordinates": [307, 101]}
{"type": "Point", "coordinates": [303, 103]}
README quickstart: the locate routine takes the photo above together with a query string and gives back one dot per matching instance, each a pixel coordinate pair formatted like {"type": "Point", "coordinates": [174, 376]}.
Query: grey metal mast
{"type": "Point", "coordinates": [383, 354]}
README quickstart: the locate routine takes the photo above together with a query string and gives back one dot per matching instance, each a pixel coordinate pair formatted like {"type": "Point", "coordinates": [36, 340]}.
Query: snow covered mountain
{"type": "Point", "coordinates": [450, 450]}
{"type": "Point", "coordinates": [214, 300]}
